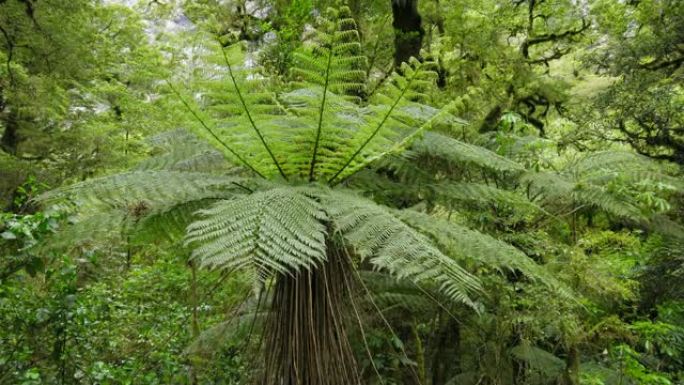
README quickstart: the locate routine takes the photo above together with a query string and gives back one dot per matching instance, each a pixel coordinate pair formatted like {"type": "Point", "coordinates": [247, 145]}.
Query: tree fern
{"type": "Point", "coordinates": [279, 213]}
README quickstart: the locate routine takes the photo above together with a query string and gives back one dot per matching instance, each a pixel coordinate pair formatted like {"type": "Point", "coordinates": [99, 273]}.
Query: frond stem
{"type": "Point", "coordinates": [197, 117]}
{"type": "Point", "coordinates": [249, 115]}
{"type": "Point", "coordinates": [377, 129]}
{"type": "Point", "coordinates": [396, 146]}
{"type": "Point", "coordinates": [320, 117]}
{"type": "Point", "coordinates": [249, 190]}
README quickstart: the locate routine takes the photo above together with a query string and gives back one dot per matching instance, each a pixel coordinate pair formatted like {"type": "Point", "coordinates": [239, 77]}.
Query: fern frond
{"type": "Point", "coordinates": [168, 224]}
{"type": "Point", "coordinates": [127, 203]}
{"type": "Point", "coordinates": [334, 61]}
{"type": "Point", "coordinates": [111, 227]}
{"type": "Point", "coordinates": [411, 83]}
{"type": "Point", "coordinates": [453, 192]}
{"type": "Point", "coordinates": [606, 166]}
{"type": "Point", "coordinates": [437, 145]}
{"type": "Point", "coordinates": [274, 231]}
{"type": "Point", "coordinates": [620, 206]}
{"type": "Point", "coordinates": [475, 248]}
{"type": "Point", "coordinates": [392, 124]}
{"type": "Point", "coordinates": [106, 228]}
{"type": "Point", "coordinates": [389, 294]}
{"type": "Point", "coordinates": [248, 114]}
{"type": "Point", "coordinates": [180, 150]}
{"type": "Point", "coordinates": [334, 65]}
{"type": "Point", "coordinates": [602, 161]}
{"type": "Point", "coordinates": [376, 234]}
{"type": "Point", "coordinates": [149, 188]}
{"type": "Point", "coordinates": [591, 181]}
{"type": "Point", "coordinates": [212, 136]}
{"type": "Point", "coordinates": [539, 359]}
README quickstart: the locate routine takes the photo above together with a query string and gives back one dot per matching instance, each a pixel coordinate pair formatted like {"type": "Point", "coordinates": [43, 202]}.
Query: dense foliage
{"type": "Point", "coordinates": [342, 192]}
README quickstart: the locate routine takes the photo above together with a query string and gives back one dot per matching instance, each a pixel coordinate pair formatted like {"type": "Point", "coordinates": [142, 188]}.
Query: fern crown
{"type": "Point", "coordinates": [265, 197]}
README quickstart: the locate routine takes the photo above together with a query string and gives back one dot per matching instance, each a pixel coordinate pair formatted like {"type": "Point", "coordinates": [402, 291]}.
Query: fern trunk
{"type": "Point", "coordinates": [306, 341]}
{"type": "Point", "coordinates": [572, 372]}
{"type": "Point", "coordinates": [445, 362]}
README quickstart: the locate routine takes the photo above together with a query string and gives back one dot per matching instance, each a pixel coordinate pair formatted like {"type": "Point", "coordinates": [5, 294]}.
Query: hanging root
{"type": "Point", "coordinates": [306, 339]}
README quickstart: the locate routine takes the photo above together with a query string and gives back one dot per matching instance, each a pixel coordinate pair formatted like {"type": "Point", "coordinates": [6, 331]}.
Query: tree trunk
{"type": "Point", "coordinates": [573, 366]}
{"type": "Point", "coordinates": [408, 30]}
{"type": "Point", "coordinates": [445, 358]}
{"type": "Point", "coordinates": [10, 138]}
{"type": "Point", "coordinates": [306, 341]}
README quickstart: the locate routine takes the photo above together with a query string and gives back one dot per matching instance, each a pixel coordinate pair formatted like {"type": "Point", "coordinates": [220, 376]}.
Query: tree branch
{"type": "Point", "coordinates": [532, 41]}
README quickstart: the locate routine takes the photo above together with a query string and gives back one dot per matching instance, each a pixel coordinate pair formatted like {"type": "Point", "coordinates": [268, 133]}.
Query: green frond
{"type": "Point", "coordinates": [331, 58]}
{"type": "Point", "coordinates": [615, 204]}
{"type": "Point", "coordinates": [605, 166]}
{"type": "Point", "coordinates": [233, 103]}
{"type": "Point", "coordinates": [611, 160]}
{"type": "Point", "coordinates": [518, 147]}
{"type": "Point", "coordinates": [411, 182]}
{"type": "Point", "coordinates": [111, 227]}
{"type": "Point", "coordinates": [149, 190]}
{"type": "Point", "coordinates": [434, 144]}
{"type": "Point", "coordinates": [156, 203]}
{"type": "Point", "coordinates": [539, 360]}
{"type": "Point", "coordinates": [334, 65]}
{"type": "Point", "coordinates": [102, 229]}
{"type": "Point", "coordinates": [376, 234]}
{"type": "Point", "coordinates": [673, 230]}
{"type": "Point", "coordinates": [412, 83]}
{"type": "Point", "coordinates": [394, 122]}
{"type": "Point", "coordinates": [605, 180]}
{"type": "Point", "coordinates": [180, 150]}
{"type": "Point", "coordinates": [274, 231]}
{"type": "Point", "coordinates": [406, 170]}
{"type": "Point", "coordinates": [548, 183]}
{"type": "Point", "coordinates": [168, 224]}
{"type": "Point", "coordinates": [391, 294]}
{"type": "Point", "coordinates": [450, 193]}
{"type": "Point", "coordinates": [246, 317]}
{"type": "Point", "coordinates": [475, 248]}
